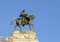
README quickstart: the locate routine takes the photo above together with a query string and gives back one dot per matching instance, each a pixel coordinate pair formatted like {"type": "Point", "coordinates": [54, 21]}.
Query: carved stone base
{"type": "Point", "coordinates": [22, 36]}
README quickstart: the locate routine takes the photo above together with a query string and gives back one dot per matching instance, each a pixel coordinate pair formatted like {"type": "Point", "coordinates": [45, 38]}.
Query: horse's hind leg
{"type": "Point", "coordinates": [20, 28]}
{"type": "Point", "coordinates": [15, 27]}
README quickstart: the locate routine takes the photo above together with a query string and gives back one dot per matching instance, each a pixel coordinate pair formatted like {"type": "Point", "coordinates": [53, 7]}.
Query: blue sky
{"type": "Point", "coordinates": [47, 17]}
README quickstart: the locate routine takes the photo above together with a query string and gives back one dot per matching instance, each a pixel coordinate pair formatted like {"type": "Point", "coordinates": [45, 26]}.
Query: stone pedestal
{"type": "Point", "coordinates": [22, 36]}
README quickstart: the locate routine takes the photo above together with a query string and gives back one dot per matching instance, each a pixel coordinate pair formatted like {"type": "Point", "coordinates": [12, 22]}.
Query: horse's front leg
{"type": "Point", "coordinates": [31, 26]}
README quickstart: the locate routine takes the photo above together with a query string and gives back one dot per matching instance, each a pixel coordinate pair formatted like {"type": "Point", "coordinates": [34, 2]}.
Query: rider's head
{"type": "Point", "coordinates": [23, 14]}
{"type": "Point", "coordinates": [23, 10]}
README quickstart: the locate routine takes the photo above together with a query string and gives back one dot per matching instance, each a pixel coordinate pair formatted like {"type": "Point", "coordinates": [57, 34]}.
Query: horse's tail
{"type": "Point", "coordinates": [13, 20]}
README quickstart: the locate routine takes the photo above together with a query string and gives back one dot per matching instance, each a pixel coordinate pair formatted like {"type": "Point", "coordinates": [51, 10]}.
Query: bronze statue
{"type": "Point", "coordinates": [24, 20]}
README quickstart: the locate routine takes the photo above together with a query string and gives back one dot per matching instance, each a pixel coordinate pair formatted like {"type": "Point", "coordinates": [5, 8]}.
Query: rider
{"type": "Point", "coordinates": [24, 15]}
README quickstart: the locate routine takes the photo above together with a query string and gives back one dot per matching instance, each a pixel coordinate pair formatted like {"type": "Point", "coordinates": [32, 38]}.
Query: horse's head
{"type": "Point", "coordinates": [31, 17]}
